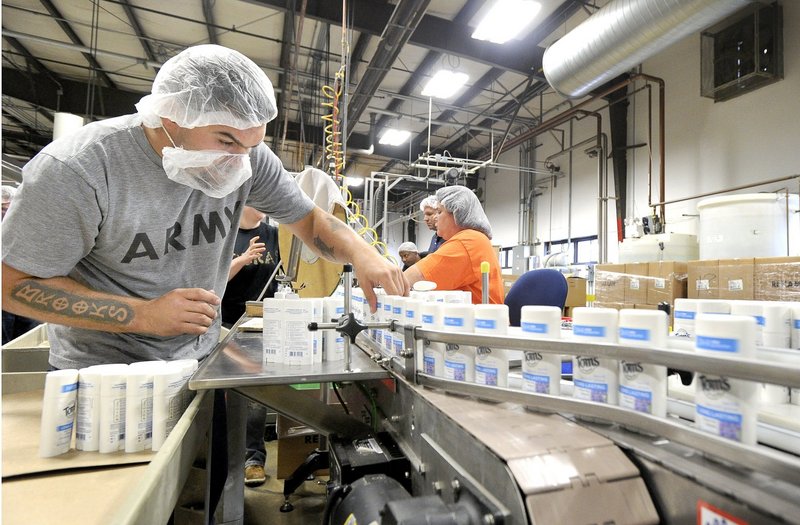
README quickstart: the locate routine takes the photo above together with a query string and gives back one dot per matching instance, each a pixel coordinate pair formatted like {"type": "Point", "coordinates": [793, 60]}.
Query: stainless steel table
{"type": "Point", "coordinates": [236, 366]}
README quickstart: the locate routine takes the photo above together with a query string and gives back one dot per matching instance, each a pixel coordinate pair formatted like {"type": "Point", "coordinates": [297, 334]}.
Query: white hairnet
{"type": "Point", "coordinates": [465, 207]}
{"type": "Point", "coordinates": [209, 85]}
{"type": "Point", "coordinates": [408, 247]}
{"type": "Point", "coordinates": [8, 192]}
{"type": "Point", "coordinates": [428, 202]}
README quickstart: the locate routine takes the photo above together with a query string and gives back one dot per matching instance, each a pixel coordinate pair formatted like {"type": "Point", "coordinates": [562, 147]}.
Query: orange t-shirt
{"type": "Point", "coordinates": [456, 265]}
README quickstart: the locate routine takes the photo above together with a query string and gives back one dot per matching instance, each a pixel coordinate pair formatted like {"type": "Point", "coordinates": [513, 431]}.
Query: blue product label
{"type": "Point", "coordinates": [719, 415]}
{"type": "Point", "coordinates": [588, 330]}
{"type": "Point", "coordinates": [635, 334]}
{"type": "Point", "coordinates": [598, 392]}
{"type": "Point", "coordinates": [398, 346]}
{"type": "Point", "coordinates": [69, 388]}
{"type": "Point", "coordinates": [459, 370]}
{"type": "Point", "coordinates": [536, 328]}
{"type": "Point", "coordinates": [797, 324]}
{"type": "Point", "coordinates": [397, 311]}
{"type": "Point", "coordinates": [489, 374]}
{"type": "Point", "coordinates": [634, 392]}
{"type": "Point", "coordinates": [488, 324]}
{"type": "Point", "coordinates": [717, 344]}
{"type": "Point", "coordinates": [536, 383]}
{"type": "Point", "coordinates": [591, 385]}
{"type": "Point", "coordinates": [454, 321]}
{"type": "Point", "coordinates": [387, 308]}
{"type": "Point", "coordinates": [429, 365]}
{"type": "Point", "coordinates": [64, 427]}
{"type": "Point", "coordinates": [759, 319]}
{"type": "Point", "coordinates": [427, 319]}
{"type": "Point", "coordinates": [410, 314]}
{"type": "Point", "coordinates": [340, 310]}
{"type": "Point", "coordinates": [684, 314]}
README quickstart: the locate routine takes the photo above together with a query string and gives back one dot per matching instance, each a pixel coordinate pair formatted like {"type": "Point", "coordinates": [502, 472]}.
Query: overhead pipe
{"type": "Point", "coordinates": [562, 118]}
{"type": "Point", "coordinates": [623, 34]}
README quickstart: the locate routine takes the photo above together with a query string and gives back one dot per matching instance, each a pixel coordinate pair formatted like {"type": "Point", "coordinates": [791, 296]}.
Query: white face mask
{"type": "Point", "coordinates": [215, 173]}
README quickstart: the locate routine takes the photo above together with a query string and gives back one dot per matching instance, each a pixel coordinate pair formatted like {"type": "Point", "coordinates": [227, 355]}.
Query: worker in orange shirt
{"type": "Point", "coordinates": [456, 265]}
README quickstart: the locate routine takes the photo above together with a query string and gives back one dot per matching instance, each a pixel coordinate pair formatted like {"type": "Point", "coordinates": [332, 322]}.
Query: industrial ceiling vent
{"type": "Point", "coordinates": [742, 53]}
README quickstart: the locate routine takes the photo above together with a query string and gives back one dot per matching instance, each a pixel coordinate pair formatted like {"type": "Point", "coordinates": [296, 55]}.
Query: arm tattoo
{"type": "Point", "coordinates": [53, 300]}
{"type": "Point", "coordinates": [324, 250]}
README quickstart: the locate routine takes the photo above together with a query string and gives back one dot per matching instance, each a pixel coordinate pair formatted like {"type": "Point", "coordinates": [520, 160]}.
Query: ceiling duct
{"type": "Point", "coordinates": [622, 35]}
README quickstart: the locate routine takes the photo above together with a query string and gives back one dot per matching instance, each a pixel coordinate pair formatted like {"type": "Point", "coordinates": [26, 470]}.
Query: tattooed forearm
{"type": "Point", "coordinates": [53, 300]}
{"type": "Point", "coordinates": [324, 250]}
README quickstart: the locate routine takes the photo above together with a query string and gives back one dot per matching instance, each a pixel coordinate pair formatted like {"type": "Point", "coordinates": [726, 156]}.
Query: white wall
{"type": "Point", "coordinates": [709, 147]}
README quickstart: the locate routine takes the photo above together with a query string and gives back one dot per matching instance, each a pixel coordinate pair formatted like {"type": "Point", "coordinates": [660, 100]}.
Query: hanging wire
{"type": "Point", "coordinates": [92, 84]}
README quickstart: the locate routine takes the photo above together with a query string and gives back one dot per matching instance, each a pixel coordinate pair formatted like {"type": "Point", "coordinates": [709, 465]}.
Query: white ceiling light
{"type": "Point", "coordinates": [394, 137]}
{"type": "Point", "coordinates": [353, 181]}
{"type": "Point", "coordinates": [506, 20]}
{"type": "Point", "coordinates": [444, 84]}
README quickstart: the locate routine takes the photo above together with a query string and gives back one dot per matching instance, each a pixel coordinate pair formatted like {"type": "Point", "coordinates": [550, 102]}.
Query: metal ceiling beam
{"type": "Point", "coordinates": [433, 33]}
{"type": "Point", "coordinates": [117, 102]}
{"type": "Point", "coordinates": [39, 90]}
{"type": "Point", "coordinates": [401, 24]}
{"type": "Point", "coordinates": [137, 28]}
{"type": "Point", "coordinates": [60, 20]}
{"type": "Point", "coordinates": [208, 13]}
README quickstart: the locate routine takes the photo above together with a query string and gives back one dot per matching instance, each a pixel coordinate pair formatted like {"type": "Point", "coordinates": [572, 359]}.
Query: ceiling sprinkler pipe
{"type": "Point", "coordinates": [622, 35]}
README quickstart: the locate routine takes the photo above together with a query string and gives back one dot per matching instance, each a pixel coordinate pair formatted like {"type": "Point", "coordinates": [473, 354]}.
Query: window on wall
{"type": "Point", "coordinates": [582, 250]}
{"type": "Point", "coordinates": [506, 258]}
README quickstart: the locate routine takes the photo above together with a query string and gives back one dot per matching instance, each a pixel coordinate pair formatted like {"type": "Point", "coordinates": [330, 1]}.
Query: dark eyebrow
{"type": "Point", "coordinates": [235, 140]}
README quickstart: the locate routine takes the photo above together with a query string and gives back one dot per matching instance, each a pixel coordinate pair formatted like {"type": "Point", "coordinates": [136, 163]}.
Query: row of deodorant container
{"type": "Point", "coordinates": [286, 337]}
{"type": "Point", "coordinates": [114, 407]}
{"type": "Point", "coordinates": [777, 323]}
{"type": "Point", "coordinates": [724, 406]}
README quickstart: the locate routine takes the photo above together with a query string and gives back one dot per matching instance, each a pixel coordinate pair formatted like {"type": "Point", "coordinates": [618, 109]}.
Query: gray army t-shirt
{"type": "Point", "coordinates": [98, 207]}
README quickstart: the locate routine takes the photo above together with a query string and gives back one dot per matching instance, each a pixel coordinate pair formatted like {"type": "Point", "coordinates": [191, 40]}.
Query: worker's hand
{"type": "Point", "coordinates": [254, 251]}
{"type": "Point", "coordinates": [372, 270]}
{"type": "Point", "coordinates": [181, 311]}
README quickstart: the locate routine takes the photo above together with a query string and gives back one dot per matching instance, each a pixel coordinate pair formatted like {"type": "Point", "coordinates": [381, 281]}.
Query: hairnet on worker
{"type": "Point", "coordinates": [408, 247]}
{"type": "Point", "coordinates": [465, 207]}
{"type": "Point", "coordinates": [209, 85]}
{"type": "Point", "coordinates": [428, 202]}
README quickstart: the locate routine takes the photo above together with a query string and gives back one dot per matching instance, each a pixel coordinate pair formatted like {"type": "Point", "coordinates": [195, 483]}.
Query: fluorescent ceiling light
{"type": "Point", "coordinates": [353, 181]}
{"type": "Point", "coordinates": [444, 84]}
{"type": "Point", "coordinates": [394, 137]}
{"type": "Point", "coordinates": [506, 20]}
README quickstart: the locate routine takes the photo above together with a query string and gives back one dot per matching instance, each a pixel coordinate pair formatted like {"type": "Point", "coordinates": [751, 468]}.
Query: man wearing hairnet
{"type": "Point", "coordinates": [142, 212]}
{"type": "Point", "coordinates": [428, 206]}
{"type": "Point", "coordinates": [409, 254]}
{"type": "Point", "coordinates": [123, 238]}
{"type": "Point", "coordinates": [456, 265]}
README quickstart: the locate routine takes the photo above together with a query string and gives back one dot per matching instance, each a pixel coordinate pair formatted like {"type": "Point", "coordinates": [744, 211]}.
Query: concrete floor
{"type": "Point", "coordinates": [262, 504]}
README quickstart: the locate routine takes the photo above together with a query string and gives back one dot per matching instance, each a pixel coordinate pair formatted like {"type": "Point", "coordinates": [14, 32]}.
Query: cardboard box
{"type": "Point", "coordinates": [703, 280]}
{"type": "Point", "coordinates": [508, 281]}
{"type": "Point", "coordinates": [736, 279]}
{"type": "Point", "coordinates": [777, 278]}
{"type": "Point", "coordinates": [609, 283]}
{"type": "Point", "coordinates": [667, 281]}
{"type": "Point", "coordinates": [576, 291]}
{"type": "Point", "coordinates": [636, 283]}
{"type": "Point", "coordinates": [615, 306]}
{"type": "Point", "coordinates": [293, 451]}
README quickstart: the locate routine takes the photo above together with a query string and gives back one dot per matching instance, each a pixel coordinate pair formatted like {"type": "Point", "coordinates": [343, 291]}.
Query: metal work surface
{"type": "Point", "coordinates": [237, 362]}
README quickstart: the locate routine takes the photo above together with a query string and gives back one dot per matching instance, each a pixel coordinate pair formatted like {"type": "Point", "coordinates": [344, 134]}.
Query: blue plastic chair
{"type": "Point", "coordinates": [542, 287]}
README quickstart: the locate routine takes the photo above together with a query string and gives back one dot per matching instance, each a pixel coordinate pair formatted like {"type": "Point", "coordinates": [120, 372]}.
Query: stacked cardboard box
{"type": "Point", "coordinates": [777, 278]}
{"type": "Point", "coordinates": [762, 279]}
{"type": "Point", "coordinates": [639, 285]}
